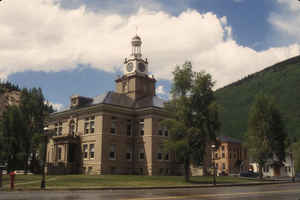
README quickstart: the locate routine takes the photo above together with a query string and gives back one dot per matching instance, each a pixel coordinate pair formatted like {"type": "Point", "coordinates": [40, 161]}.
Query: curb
{"type": "Point", "coordinates": [151, 188]}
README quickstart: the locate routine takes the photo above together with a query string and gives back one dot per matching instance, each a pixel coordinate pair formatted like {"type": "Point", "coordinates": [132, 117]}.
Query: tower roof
{"type": "Point", "coordinates": [136, 41]}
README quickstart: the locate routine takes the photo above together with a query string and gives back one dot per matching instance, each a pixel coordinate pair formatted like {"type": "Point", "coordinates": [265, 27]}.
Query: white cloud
{"type": "Point", "coordinates": [46, 37]}
{"type": "Point", "coordinates": [287, 19]}
{"type": "Point", "coordinates": [160, 90]}
{"type": "Point", "coordinates": [56, 106]}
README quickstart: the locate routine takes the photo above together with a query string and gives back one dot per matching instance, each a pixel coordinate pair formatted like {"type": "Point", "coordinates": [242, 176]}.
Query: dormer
{"type": "Point", "coordinates": [79, 101]}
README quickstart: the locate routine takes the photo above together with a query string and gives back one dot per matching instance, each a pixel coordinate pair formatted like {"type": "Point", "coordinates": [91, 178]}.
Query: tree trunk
{"type": "Point", "coordinates": [261, 171]}
{"type": "Point", "coordinates": [26, 164]}
{"type": "Point", "coordinates": [187, 169]}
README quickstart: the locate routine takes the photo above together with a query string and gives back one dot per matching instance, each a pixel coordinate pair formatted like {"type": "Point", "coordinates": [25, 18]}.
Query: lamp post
{"type": "Point", "coordinates": [45, 137]}
{"type": "Point", "coordinates": [293, 167]}
{"type": "Point", "coordinates": [213, 147]}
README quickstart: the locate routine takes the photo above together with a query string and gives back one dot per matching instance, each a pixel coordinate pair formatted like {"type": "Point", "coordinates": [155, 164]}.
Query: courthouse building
{"type": "Point", "coordinates": [118, 132]}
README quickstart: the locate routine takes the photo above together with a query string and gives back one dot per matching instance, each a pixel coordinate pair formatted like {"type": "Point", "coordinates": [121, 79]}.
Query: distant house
{"type": "Point", "coordinates": [273, 168]}
{"type": "Point", "coordinates": [231, 157]}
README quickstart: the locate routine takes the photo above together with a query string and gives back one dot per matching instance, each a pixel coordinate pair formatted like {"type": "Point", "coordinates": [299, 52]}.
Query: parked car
{"type": "Point", "coordinates": [249, 174]}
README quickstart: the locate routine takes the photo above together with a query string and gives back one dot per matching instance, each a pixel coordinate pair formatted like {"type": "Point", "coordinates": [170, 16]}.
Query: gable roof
{"type": "Point", "coordinates": [224, 138]}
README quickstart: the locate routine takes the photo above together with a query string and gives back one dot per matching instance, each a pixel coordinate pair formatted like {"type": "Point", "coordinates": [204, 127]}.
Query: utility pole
{"type": "Point", "coordinates": [214, 148]}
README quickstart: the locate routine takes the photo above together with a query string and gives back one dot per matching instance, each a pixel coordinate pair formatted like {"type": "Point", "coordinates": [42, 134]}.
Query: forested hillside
{"type": "Point", "coordinates": [282, 81]}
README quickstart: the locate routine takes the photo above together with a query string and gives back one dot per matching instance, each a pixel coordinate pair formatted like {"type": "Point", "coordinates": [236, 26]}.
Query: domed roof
{"type": "Point", "coordinates": [136, 37]}
{"type": "Point", "coordinates": [136, 41]}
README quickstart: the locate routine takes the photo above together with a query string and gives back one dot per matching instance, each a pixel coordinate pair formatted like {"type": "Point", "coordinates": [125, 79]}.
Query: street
{"type": "Point", "coordinates": [289, 191]}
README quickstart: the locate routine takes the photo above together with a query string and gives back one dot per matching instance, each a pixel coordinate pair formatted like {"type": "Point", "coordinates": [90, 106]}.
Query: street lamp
{"type": "Point", "coordinates": [293, 167]}
{"type": "Point", "coordinates": [214, 148]}
{"type": "Point", "coordinates": [47, 133]}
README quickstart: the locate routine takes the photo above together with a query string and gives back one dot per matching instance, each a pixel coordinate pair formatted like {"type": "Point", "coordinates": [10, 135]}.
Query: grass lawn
{"type": "Point", "coordinates": [81, 181]}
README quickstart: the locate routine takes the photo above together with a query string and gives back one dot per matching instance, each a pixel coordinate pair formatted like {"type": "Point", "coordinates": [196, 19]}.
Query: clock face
{"type": "Point", "coordinates": [142, 67]}
{"type": "Point", "coordinates": [129, 67]}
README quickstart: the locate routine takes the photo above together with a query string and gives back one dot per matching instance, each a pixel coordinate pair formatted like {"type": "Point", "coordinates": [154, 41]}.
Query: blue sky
{"type": "Point", "coordinates": [77, 46]}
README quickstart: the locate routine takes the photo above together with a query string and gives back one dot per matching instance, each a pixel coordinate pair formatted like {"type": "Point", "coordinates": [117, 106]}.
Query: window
{"type": "Point", "coordinates": [128, 154]}
{"type": "Point", "coordinates": [85, 151]}
{"type": "Point", "coordinates": [72, 128]}
{"type": "Point", "coordinates": [58, 128]}
{"type": "Point", "coordinates": [223, 166]}
{"type": "Point", "coordinates": [141, 127]}
{"type": "Point", "coordinates": [86, 127]}
{"type": "Point", "coordinates": [166, 132]}
{"type": "Point", "coordinates": [166, 156]}
{"type": "Point", "coordinates": [92, 126]}
{"type": "Point", "coordinates": [230, 155]}
{"type": "Point", "coordinates": [92, 151]}
{"type": "Point", "coordinates": [223, 155]}
{"type": "Point", "coordinates": [216, 155]}
{"type": "Point", "coordinates": [128, 128]}
{"type": "Point", "coordinates": [112, 153]}
{"type": "Point", "coordinates": [89, 125]}
{"type": "Point", "coordinates": [160, 132]}
{"type": "Point", "coordinates": [142, 156]}
{"type": "Point", "coordinates": [90, 169]}
{"type": "Point", "coordinates": [113, 125]}
{"type": "Point", "coordinates": [217, 166]}
{"type": "Point", "coordinates": [159, 156]}
{"type": "Point", "coordinates": [59, 153]}
{"type": "Point", "coordinates": [223, 148]}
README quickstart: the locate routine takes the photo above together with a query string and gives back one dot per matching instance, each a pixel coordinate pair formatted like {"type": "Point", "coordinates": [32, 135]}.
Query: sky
{"type": "Point", "coordinates": [71, 47]}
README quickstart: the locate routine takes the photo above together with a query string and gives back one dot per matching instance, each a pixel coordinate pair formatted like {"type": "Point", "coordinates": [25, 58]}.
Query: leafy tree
{"type": "Point", "coordinates": [266, 135]}
{"type": "Point", "coordinates": [35, 110]}
{"type": "Point", "coordinates": [194, 120]}
{"type": "Point", "coordinates": [22, 128]}
{"type": "Point", "coordinates": [12, 137]}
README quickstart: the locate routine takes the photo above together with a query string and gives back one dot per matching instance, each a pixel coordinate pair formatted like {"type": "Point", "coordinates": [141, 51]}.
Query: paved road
{"type": "Point", "coordinates": [267, 192]}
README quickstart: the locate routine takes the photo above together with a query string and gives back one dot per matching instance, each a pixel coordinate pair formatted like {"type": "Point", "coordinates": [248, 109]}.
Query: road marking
{"type": "Point", "coordinates": [226, 195]}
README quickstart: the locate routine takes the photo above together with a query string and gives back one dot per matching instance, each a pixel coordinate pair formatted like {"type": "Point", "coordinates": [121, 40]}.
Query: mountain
{"type": "Point", "coordinates": [282, 81]}
{"type": "Point", "coordinates": [9, 95]}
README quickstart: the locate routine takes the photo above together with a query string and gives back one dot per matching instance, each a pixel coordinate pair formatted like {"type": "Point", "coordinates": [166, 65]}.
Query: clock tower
{"type": "Point", "coordinates": [136, 83]}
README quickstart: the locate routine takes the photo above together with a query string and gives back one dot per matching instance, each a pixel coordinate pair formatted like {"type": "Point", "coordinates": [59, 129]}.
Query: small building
{"type": "Point", "coordinates": [273, 168]}
{"type": "Point", "coordinates": [231, 157]}
{"type": "Point", "coordinates": [118, 132]}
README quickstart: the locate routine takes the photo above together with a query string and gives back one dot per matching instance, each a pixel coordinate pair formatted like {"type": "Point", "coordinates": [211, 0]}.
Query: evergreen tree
{"type": "Point", "coordinates": [194, 120]}
{"type": "Point", "coordinates": [266, 135]}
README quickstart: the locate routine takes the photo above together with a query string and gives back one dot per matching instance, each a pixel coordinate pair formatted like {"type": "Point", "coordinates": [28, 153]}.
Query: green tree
{"type": "Point", "coordinates": [194, 116]}
{"type": "Point", "coordinates": [12, 137]}
{"type": "Point", "coordinates": [21, 130]}
{"type": "Point", "coordinates": [266, 135]}
{"type": "Point", "coordinates": [35, 110]}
